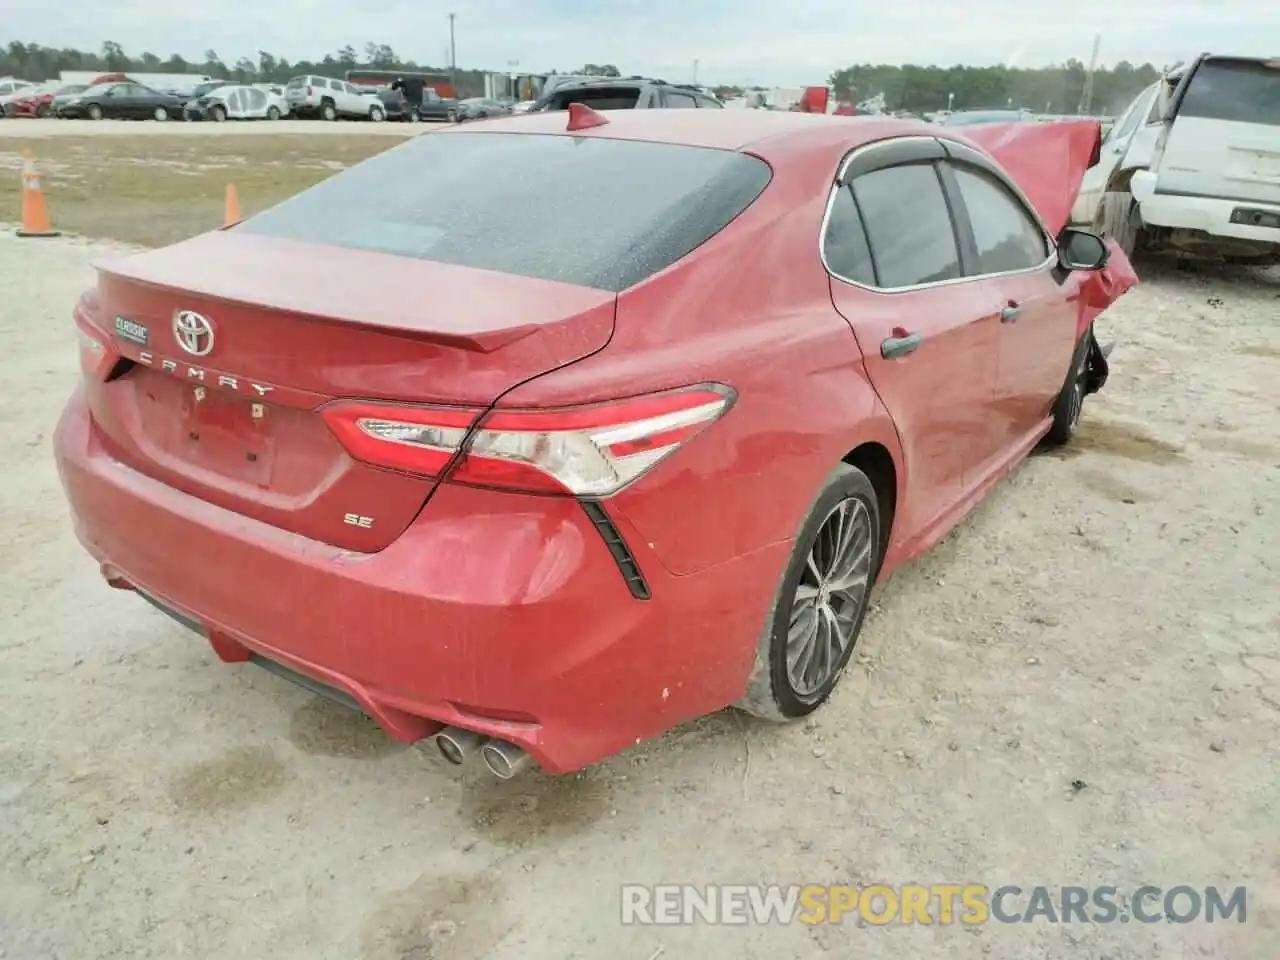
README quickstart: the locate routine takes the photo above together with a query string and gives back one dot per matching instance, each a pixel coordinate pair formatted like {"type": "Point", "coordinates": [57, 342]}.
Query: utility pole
{"type": "Point", "coordinates": [1086, 97]}
{"type": "Point", "coordinates": [453, 56]}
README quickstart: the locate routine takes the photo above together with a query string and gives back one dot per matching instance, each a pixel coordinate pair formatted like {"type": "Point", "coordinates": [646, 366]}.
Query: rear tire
{"type": "Point", "coordinates": [43, 111]}
{"type": "Point", "coordinates": [1070, 403]}
{"type": "Point", "coordinates": [816, 617]}
{"type": "Point", "coordinates": [1115, 219]}
{"type": "Point", "coordinates": [273, 113]}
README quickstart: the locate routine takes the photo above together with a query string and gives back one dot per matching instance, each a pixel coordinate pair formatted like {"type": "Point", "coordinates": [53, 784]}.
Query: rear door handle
{"type": "Point", "coordinates": [1009, 314]}
{"type": "Point", "coordinates": [899, 346]}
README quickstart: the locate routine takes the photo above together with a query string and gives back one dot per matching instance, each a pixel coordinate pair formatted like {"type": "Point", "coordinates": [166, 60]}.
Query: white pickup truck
{"type": "Point", "coordinates": [1193, 164]}
{"type": "Point", "coordinates": [331, 99]}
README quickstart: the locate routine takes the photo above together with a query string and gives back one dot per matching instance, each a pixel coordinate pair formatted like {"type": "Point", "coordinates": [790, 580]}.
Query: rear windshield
{"type": "Point", "coordinates": [604, 98]}
{"type": "Point", "coordinates": [297, 82]}
{"type": "Point", "coordinates": [1244, 91]}
{"type": "Point", "coordinates": [581, 210]}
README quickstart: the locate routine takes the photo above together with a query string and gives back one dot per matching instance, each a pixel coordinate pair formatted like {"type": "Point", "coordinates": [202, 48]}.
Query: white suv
{"type": "Point", "coordinates": [12, 88]}
{"type": "Point", "coordinates": [330, 99]}
{"type": "Point", "coordinates": [1193, 165]}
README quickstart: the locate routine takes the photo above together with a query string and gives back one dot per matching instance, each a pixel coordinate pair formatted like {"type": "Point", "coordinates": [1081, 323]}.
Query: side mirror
{"type": "Point", "coordinates": [1082, 250]}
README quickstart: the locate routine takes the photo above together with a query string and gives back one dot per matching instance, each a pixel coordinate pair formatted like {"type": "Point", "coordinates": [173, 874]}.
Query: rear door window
{"type": "Point", "coordinates": [1134, 116]}
{"type": "Point", "coordinates": [1240, 91]}
{"type": "Point", "coordinates": [908, 224]}
{"type": "Point", "coordinates": [680, 101]}
{"type": "Point", "coordinates": [589, 211]}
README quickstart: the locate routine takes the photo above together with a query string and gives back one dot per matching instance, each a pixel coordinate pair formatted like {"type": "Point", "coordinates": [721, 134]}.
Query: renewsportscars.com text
{"type": "Point", "coordinates": [941, 904]}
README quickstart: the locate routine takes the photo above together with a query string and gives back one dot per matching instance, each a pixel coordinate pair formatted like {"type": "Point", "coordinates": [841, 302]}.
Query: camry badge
{"type": "Point", "coordinates": [193, 332]}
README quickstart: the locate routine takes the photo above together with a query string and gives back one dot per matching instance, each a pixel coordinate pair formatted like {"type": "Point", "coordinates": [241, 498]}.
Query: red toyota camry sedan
{"type": "Point", "coordinates": [542, 436]}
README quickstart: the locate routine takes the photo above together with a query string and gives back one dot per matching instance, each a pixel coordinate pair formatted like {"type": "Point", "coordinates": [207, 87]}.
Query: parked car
{"type": "Point", "coordinates": [331, 99]}
{"type": "Point", "coordinates": [969, 118]}
{"type": "Point", "coordinates": [1192, 166]}
{"type": "Point", "coordinates": [234, 101]}
{"type": "Point", "coordinates": [619, 94]}
{"type": "Point", "coordinates": [592, 486]}
{"type": "Point", "coordinates": [479, 108]}
{"type": "Point", "coordinates": [38, 102]}
{"type": "Point", "coordinates": [122, 101]}
{"type": "Point", "coordinates": [436, 107]}
{"type": "Point", "coordinates": [11, 89]}
{"type": "Point", "coordinates": [65, 96]}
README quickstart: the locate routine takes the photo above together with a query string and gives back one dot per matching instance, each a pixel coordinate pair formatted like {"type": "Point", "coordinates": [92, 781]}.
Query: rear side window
{"type": "Point", "coordinates": [582, 210]}
{"type": "Point", "coordinates": [908, 225]}
{"type": "Point", "coordinates": [1242, 91]}
{"type": "Point", "coordinates": [603, 98]}
{"type": "Point", "coordinates": [1008, 238]}
{"type": "Point", "coordinates": [680, 100]}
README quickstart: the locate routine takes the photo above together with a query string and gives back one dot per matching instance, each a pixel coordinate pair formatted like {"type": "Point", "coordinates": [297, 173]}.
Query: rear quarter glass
{"type": "Point", "coordinates": [582, 210]}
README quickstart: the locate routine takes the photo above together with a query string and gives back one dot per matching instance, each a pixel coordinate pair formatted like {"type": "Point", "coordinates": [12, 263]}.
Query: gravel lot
{"type": "Point", "coordinates": [1109, 617]}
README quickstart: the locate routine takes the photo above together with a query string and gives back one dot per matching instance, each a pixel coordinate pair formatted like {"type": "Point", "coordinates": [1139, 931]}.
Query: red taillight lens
{"type": "Point", "coordinates": [98, 355]}
{"type": "Point", "coordinates": [581, 451]}
{"type": "Point", "coordinates": [418, 440]}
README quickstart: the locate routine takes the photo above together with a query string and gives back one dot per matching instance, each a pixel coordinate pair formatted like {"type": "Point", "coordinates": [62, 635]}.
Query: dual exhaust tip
{"type": "Point", "coordinates": [503, 759]}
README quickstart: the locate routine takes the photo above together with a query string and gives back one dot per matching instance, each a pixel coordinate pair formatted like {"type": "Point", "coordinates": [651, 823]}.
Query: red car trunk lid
{"type": "Point", "coordinates": [278, 329]}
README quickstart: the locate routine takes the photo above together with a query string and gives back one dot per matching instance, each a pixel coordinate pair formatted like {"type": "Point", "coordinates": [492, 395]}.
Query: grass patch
{"type": "Point", "coordinates": [156, 190]}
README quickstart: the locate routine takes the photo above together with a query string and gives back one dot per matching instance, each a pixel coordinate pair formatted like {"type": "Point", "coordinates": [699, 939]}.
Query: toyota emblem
{"type": "Point", "coordinates": [193, 332]}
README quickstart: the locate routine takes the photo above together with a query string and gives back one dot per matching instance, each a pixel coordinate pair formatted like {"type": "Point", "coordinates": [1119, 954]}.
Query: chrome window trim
{"type": "Point", "coordinates": [839, 185]}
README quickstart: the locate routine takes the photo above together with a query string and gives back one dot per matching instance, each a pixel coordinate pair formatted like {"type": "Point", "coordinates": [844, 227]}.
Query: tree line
{"type": "Point", "coordinates": [30, 61]}
{"type": "Point", "coordinates": [1054, 89]}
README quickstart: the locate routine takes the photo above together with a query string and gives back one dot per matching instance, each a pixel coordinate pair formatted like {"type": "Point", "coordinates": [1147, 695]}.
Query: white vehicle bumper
{"type": "Point", "coordinates": [1210, 214]}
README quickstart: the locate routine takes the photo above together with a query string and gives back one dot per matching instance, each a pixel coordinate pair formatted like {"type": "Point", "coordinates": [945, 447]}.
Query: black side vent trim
{"type": "Point", "coordinates": [622, 554]}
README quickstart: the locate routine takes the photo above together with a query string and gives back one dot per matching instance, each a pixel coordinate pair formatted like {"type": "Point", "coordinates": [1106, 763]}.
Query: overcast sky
{"type": "Point", "coordinates": [783, 42]}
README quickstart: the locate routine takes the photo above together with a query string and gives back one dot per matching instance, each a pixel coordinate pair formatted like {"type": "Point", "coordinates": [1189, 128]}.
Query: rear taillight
{"type": "Point", "coordinates": [98, 355]}
{"type": "Point", "coordinates": [308, 90]}
{"type": "Point", "coordinates": [581, 451]}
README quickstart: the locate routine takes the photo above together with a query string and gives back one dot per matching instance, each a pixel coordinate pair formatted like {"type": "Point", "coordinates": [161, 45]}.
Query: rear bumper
{"type": "Point", "coordinates": [500, 613]}
{"type": "Point", "coordinates": [1212, 215]}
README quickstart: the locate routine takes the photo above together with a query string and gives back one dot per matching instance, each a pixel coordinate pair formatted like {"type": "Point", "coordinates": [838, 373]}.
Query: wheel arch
{"type": "Point", "coordinates": [875, 460]}
{"type": "Point", "coordinates": [1119, 180]}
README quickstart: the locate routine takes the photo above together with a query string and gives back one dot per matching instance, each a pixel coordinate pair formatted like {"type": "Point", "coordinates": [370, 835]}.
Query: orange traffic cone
{"type": "Point", "coordinates": [35, 215]}
{"type": "Point", "coordinates": [232, 214]}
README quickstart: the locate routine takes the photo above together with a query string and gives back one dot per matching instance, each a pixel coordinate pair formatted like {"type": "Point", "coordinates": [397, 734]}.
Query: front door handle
{"type": "Point", "coordinates": [899, 346]}
{"type": "Point", "coordinates": [1009, 313]}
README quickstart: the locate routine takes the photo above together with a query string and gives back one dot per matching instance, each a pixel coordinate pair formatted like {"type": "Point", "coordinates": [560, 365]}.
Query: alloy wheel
{"type": "Point", "coordinates": [829, 598]}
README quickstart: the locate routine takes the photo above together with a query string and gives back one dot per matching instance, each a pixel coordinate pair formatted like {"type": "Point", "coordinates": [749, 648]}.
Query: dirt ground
{"type": "Point", "coordinates": [1080, 686]}
{"type": "Point", "coordinates": [153, 183]}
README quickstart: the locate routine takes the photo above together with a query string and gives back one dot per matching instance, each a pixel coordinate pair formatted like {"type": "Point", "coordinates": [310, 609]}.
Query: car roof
{"type": "Point", "coordinates": [719, 129]}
